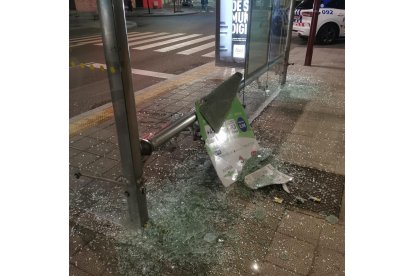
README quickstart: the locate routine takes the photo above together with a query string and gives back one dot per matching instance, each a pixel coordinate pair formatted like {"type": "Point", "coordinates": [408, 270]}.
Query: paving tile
{"type": "Point", "coordinates": [103, 148]}
{"type": "Point", "coordinates": [104, 134]}
{"type": "Point", "coordinates": [183, 91]}
{"type": "Point", "coordinates": [301, 226]}
{"type": "Point", "coordinates": [74, 138]}
{"type": "Point", "coordinates": [115, 173]}
{"type": "Point", "coordinates": [192, 97]}
{"type": "Point", "coordinates": [79, 237]}
{"type": "Point", "coordinates": [332, 125]}
{"type": "Point", "coordinates": [173, 108]}
{"type": "Point", "coordinates": [143, 105]}
{"type": "Point", "coordinates": [333, 237]}
{"type": "Point", "coordinates": [73, 152]}
{"type": "Point", "coordinates": [104, 247]}
{"type": "Point", "coordinates": [291, 254]}
{"type": "Point", "coordinates": [162, 166]}
{"type": "Point", "coordinates": [98, 224]}
{"type": "Point", "coordinates": [111, 269]}
{"type": "Point", "coordinates": [328, 262]}
{"type": "Point", "coordinates": [114, 154]}
{"type": "Point", "coordinates": [269, 269]}
{"type": "Point", "coordinates": [84, 143]}
{"type": "Point", "coordinates": [101, 165]}
{"type": "Point", "coordinates": [255, 233]}
{"type": "Point", "coordinates": [111, 202]}
{"type": "Point", "coordinates": [91, 130]}
{"type": "Point", "coordinates": [157, 105]}
{"type": "Point", "coordinates": [267, 214]}
{"type": "Point", "coordinates": [82, 159]}
{"type": "Point", "coordinates": [88, 261]}
{"type": "Point", "coordinates": [240, 261]}
{"type": "Point", "coordinates": [80, 199]}
{"type": "Point", "coordinates": [75, 183]}
{"type": "Point", "coordinates": [75, 271]}
{"type": "Point", "coordinates": [177, 96]}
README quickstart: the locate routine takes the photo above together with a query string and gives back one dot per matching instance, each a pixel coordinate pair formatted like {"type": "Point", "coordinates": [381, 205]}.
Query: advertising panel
{"type": "Point", "coordinates": [232, 23]}
{"type": "Point", "coordinates": [231, 145]}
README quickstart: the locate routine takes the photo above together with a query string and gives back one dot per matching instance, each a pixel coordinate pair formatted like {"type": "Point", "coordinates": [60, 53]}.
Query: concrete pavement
{"type": "Point", "coordinates": [229, 232]}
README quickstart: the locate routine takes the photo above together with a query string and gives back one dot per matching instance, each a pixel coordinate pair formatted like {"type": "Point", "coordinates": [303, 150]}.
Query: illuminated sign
{"type": "Point", "coordinates": [233, 19]}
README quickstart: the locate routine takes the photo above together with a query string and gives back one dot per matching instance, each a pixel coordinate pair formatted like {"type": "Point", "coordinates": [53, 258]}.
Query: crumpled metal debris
{"type": "Point", "coordinates": [266, 176]}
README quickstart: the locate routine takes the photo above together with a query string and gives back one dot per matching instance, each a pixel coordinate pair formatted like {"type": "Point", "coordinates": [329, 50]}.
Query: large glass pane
{"type": "Point", "coordinates": [259, 36]}
{"type": "Point", "coordinates": [278, 30]}
{"type": "Point", "coordinates": [266, 50]}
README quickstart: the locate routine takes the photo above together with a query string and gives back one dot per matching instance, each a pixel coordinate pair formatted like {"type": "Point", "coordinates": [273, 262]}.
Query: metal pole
{"type": "Point", "coordinates": [288, 42]}
{"type": "Point", "coordinates": [116, 50]}
{"type": "Point", "coordinates": [312, 32]}
{"type": "Point", "coordinates": [172, 130]}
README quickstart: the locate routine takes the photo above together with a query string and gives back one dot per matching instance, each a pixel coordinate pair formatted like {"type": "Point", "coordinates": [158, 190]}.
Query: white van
{"type": "Point", "coordinates": [331, 20]}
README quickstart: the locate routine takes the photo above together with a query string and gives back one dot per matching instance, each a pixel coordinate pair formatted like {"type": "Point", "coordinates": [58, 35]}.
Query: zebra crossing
{"type": "Point", "coordinates": [162, 42]}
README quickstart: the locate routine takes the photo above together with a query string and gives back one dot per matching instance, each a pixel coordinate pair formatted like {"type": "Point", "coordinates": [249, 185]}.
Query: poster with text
{"type": "Point", "coordinates": [233, 20]}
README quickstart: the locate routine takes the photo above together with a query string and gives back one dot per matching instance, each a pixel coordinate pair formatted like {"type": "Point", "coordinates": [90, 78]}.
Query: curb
{"type": "Point", "coordinates": [160, 14]}
{"type": "Point", "coordinates": [102, 113]}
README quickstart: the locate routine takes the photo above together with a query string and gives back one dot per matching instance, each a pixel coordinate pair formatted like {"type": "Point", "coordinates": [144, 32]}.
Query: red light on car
{"type": "Point", "coordinates": [307, 14]}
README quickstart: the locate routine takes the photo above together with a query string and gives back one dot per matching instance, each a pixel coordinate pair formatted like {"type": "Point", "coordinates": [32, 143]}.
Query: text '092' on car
{"type": "Point", "coordinates": [331, 20]}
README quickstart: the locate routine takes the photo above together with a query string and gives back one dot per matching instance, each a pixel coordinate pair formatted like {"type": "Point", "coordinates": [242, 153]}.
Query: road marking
{"type": "Point", "coordinates": [91, 37]}
{"type": "Point", "coordinates": [85, 38]}
{"type": "Point", "coordinates": [154, 39]}
{"type": "Point", "coordinates": [137, 38]}
{"type": "Point", "coordinates": [145, 36]}
{"type": "Point", "coordinates": [198, 49]}
{"type": "Point", "coordinates": [165, 42]}
{"type": "Point", "coordinates": [184, 44]}
{"type": "Point", "coordinates": [100, 40]}
{"type": "Point", "coordinates": [94, 40]}
{"type": "Point", "coordinates": [211, 54]}
{"type": "Point", "coordinates": [139, 72]}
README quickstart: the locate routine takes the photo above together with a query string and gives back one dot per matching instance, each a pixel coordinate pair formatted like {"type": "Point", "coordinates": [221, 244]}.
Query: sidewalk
{"type": "Point", "coordinates": [196, 226]}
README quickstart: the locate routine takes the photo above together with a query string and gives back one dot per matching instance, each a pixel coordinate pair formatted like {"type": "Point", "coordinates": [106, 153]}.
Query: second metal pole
{"type": "Point", "coordinates": [312, 33]}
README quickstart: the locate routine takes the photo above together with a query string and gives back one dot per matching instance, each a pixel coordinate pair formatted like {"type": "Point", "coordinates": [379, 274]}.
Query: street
{"type": "Point", "coordinates": [160, 48]}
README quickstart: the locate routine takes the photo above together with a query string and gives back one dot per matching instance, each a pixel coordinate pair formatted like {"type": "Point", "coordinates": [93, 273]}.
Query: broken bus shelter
{"type": "Point", "coordinates": [261, 53]}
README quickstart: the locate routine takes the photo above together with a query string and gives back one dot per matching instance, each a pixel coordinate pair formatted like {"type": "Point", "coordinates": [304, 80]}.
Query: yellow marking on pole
{"type": "Point", "coordinates": [82, 65]}
{"type": "Point", "coordinates": [102, 68]}
{"type": "Point", "coordinates": [91, 67]}
{"type": "Point", "coordinates": [72, 64]}
{"type": "Point", "coordinates": [112, 69]}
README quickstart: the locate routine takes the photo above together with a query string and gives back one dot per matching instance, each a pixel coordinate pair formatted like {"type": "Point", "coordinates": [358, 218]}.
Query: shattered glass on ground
{"type": "Point", "coordinates": [307, 183]}
{"type": "Point", "coordinates": [196, 225]}
{"type": "Point", "coordinates": [188, 220]}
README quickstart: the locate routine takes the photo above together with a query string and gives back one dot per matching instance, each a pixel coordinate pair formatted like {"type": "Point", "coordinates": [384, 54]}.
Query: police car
{"type": "Point", "coordinates": [331, 20]}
